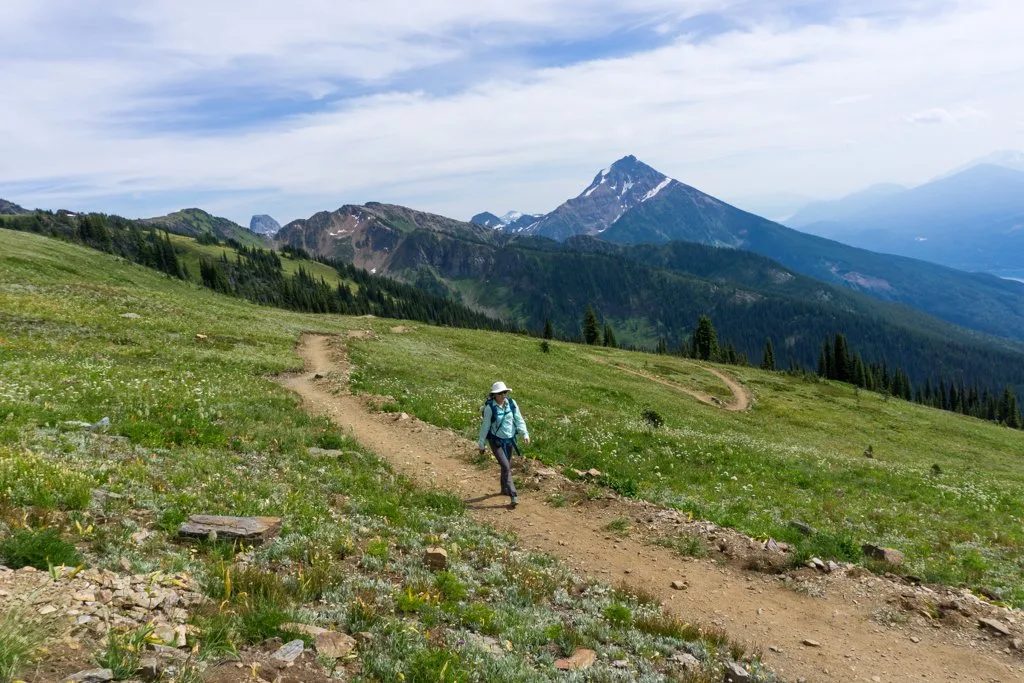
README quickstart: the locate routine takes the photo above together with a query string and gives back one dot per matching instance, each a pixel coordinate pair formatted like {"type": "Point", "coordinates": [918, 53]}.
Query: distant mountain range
{"type": "Point", "coordinates": [971, 219]}
{"type": "Point", "coordinates": [631, 203]}
{"type": "Point", "coordinates": [513, 221]}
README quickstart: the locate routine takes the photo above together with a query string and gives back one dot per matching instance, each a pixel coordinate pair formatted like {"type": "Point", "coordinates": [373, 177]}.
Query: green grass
{"type": "Point", "coordinates": [39, 548]}
{"type": "Point", "coordinates": [197, 426]}
{"type": "Point", "coordinates": [797, 455]}
{"type": "Point", "coordinates": [21, 640]}
{"type": "Point", "coordinates": [191, 252]}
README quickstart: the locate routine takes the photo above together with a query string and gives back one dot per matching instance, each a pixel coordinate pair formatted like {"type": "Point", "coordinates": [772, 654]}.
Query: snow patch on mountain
{"type": "Point", "coordinates": [654, 193]}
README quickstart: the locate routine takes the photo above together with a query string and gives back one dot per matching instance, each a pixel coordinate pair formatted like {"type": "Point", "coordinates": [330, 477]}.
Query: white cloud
{"type": "Point", "coordinates": [741, 113]}
{"type": "Point", "coordinates": [941, 115]}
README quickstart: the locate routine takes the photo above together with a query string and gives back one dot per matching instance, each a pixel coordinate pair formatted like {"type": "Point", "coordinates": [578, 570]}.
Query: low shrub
{"type": "Point", "coordinates": [41, 549]}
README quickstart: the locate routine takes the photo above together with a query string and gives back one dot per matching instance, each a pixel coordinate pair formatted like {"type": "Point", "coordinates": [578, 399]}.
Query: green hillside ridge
{"type": "Point", "coordinates": [196, 222]}
{"type": "Point", "coordinates": [192, 252]}
{"type": "Point", "coordinates": [799, 454]}
{"type": "Point", "coordinates": [196, 427]}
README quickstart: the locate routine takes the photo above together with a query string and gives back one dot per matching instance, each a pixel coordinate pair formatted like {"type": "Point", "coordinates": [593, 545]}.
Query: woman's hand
{"type": "Point", "coordinates": [526, 440]}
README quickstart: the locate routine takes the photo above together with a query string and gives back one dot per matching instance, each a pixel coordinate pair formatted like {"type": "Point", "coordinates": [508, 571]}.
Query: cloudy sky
{"type": "Point", "coordinates": [141, 107]}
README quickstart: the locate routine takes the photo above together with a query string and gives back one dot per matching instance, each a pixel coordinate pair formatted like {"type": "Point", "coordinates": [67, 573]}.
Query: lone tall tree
{"type": "Point", "coordinates": [549, 329]}
{"type": "Point", "coordinates": [609, 336]}
{"type": "Point", "coordinates": [591, 328]}
{"type": "Point", "coordinates": [705, 341]}
{"type": "Point", "coordinates": [768, 361]}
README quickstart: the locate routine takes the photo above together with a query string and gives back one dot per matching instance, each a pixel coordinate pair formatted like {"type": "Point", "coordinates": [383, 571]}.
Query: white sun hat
{"type": "Point", "coordinates": [499, 387]}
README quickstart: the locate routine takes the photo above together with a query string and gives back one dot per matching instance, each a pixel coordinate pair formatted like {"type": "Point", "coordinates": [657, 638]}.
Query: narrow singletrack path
{"type": "Point", "coordinates": [741, 397]}
{"type": "Point", "coordinates": [753, 608]}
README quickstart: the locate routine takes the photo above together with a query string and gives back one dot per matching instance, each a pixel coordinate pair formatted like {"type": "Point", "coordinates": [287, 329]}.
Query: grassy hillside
{"type": "Point", "coordinates": [945, 489]}
{"type": "Point", "coordinates": [196, 427]}
{"type": "Point", "coordinates": [191, 252]}
{"type": "Point", "coordinates": [195, 222]}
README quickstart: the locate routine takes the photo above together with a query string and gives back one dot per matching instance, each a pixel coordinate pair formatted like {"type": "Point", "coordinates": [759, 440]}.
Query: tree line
{"type": "Point", "coordinates": [838, 362]}
{"type": "Point", "coordinates": [256, 274]}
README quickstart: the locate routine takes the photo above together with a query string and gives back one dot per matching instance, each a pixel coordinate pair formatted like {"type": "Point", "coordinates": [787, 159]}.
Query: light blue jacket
{"type": "Point", "coordinates": [504, 425]}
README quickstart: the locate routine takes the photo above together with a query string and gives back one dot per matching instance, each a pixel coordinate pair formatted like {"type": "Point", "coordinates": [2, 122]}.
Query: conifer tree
{"type": "Point", "coordinates": [705, 341]}
{"type": "Point", "coordinates": [549, 329]}
{"type": "Point", "coordinates": [591, 328]}
{"type": "Point", "coordinates": [609, 336]}
{"type": "Point", "coordinates": [768, 359]}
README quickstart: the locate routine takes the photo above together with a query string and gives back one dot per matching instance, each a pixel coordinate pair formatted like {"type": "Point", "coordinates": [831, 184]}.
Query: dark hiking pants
{"type": "Point", "coordinates": [503, 454]}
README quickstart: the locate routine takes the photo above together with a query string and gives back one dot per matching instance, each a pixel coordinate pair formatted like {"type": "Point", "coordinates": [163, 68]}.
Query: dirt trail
{"type": "Point", "coordinates": [753, 608]}
{"type": "Point", "coordinates": [741, 397]}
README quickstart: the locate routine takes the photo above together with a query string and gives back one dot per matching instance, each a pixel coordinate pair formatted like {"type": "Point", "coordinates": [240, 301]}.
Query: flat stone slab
{"type": "Point", "coordinates": [243, 528]}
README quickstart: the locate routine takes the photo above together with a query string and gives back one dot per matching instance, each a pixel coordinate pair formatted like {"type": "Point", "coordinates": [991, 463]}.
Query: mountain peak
{"type": "Point", "coordinates": [262, 224]}
{"type": "Point", "coordinates": [10, 208]}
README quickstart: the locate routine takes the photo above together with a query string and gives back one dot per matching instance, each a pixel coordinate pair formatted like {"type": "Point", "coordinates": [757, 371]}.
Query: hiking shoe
{"type": "Point", "coordinates": [515, 501]}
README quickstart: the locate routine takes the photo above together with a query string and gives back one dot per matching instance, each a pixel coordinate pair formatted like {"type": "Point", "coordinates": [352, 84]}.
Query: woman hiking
{"type": "Point", "coordinates": [501, 422]}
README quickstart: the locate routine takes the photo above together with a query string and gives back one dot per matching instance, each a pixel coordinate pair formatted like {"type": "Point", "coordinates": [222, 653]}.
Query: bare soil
{"type": "Point", "coordinates": [860, 627]}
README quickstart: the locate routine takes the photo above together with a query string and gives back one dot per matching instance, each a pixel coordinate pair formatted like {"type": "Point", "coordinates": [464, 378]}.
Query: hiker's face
{"type": "Point", "coordinates": [500, 398]}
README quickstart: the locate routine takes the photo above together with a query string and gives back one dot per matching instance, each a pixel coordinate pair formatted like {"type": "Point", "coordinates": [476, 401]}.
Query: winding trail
{"type": "Point", "coordinates": [753, 608]}
{"type": "Point", "coordinates": [741, 397]}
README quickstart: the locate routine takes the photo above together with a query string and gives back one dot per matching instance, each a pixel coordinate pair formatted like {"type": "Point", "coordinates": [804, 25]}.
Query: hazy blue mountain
{"type": "Point", "coordinates": [262, 224]}
{"type": "Point", "coordinates": [838, 210]}
{"type": "Point", "coordinates": [973, 220]}
{"type": "Point", "coordinates": [776, 206]}
{"type": "Point", "coordinates": [1007, 158]}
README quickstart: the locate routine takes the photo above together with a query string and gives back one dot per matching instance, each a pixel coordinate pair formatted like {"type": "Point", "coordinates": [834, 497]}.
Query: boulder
{"type": "Point", "coordinates": [243, 528]}
{"type": "Point", "coordinates": [734, 673]}
{"type": "Point", "coordinates": [436, 558]}
{"type": "Point", "coordinates": [334, 644]}
{"type": "Point", "coordinates": [581, 659]}
{"type": "Point", "coordinates": [887, 555]}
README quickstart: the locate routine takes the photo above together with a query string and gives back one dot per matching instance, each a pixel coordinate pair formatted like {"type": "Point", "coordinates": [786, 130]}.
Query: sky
{"type": "Point", "coordinates": [142, 107]}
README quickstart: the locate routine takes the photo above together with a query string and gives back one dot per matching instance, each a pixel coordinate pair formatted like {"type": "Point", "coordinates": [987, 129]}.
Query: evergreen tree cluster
{"type": "Point", "coordinates": [144, 245]}
{"type": "Point", "coordinates": [838, 362]}
{"type": "Point", "coordinates": [258, 274]}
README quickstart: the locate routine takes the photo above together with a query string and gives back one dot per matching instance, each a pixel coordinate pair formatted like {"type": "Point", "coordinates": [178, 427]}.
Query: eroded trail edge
{"type": "Point", "coordinates": [753, 608]}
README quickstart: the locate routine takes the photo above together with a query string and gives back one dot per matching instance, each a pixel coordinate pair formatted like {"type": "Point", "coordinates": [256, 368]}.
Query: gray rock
{"type": "Point", "coordinates": [324, 452]}
{"type": "Point", "coordinates": [485, 643]}
{"type": "Point", "coordinates": [680, 585]}
{"type": "Point", "coordinates": [1018, 644]}
{"type": "Point", "coordinates": [289, 652]}
{"type": "Point", "coordinates": [687, 661]}
{"type": "Point", "coordinates": [734, 673]}
{"type": "Point", "coordinates": [91, 676]}
{"type": "Point", "coordinates": [805, 529]}
{"type": "Point", "coordinates": [243, 528]}
{"type": "Point", "coordinates": [131, 316]}
{"type": "Point", "coordinates": [995, 625]}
